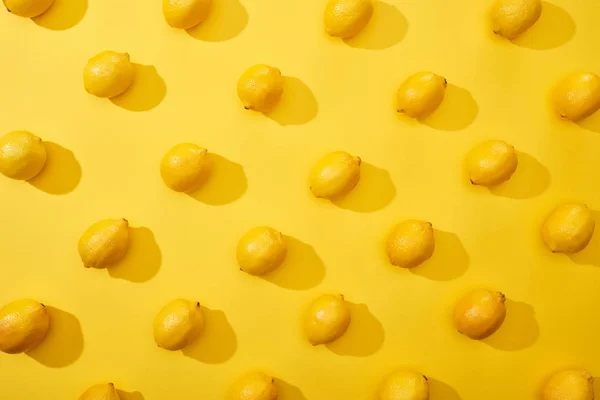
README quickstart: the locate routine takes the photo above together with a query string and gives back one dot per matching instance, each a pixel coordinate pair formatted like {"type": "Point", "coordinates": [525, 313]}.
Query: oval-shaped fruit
{"type": "Point", "coordinates": [261, 250]}
{"type": "Point", "coordinates": [185, 167]}
{"type": "Point", "coordinates": [103, 391]}
{"type": "Point", "coordinates": [22, 155]}
{"type": "Point", "coordinates": [421, 94]}
{"type": "Point", "coordinates": [104, 243]}
{"type": "Point", "coordinates": [260, 88]}
{"type": "Point", "coordinates": [335, 175]}
{"type": "Point", "coordinates": [178, 324]}
{"type": "Point", "coordinates": [510, 18]}
{"type": "Point", "coordinates": [326, 319]}
{"type": "Point", "coordinates": [108, 74]}
{"type": "Point", "coordinates": [491, 163]}
{"type": "Point", "coordinates": [185, 14]}
{"type": "Point", "coordinates": [410, 243]}
{"type": "Point", "coordinates": [569, 228]}
{"type": "Point", "coordinates": [27, 8]}
{"type": "Point", "coordinates": [480, 313]}
{"type": "Point", "coordinates": [346, 18]}
{"type": "Point", "coordinates": [569, 385]}
{"type": "Point", "coordinates": [404, 385]}
{"type": "Point", "coordinates": [23, 326]}
{"type": "Point", "coordinates": [254, 386]}
{"type": "Point", "coordinates": [577, 96]}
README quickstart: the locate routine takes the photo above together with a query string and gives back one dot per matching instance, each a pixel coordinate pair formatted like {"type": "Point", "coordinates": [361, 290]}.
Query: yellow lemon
{"type": "Point", "coordinates": [491, 162]}
{"type": "Point", "coordinates": [27, 8]}
{"type": "Point", "coordinates": [104, 243]}
{"type": "Point", "coordinates": [421, 94]}
{"type": "Point", "coordinates": [569, 385]}
{"type": "Point", "coordinates": [108, 74]}
{"type": "Point", "coordinates": [404, 385]}
{"type": "Point", "coordinates": [103, 391]}
{"type": "Point", "coordinates": [185, 14]}
{"type": "Point", "coordinates": [326, 319]}
{"type": "Point", "coordinates": [185, 167]}
{"type": "Point", "coordinates": [577, 96]}
{"type": "Point", "coordinates": [260, 88]}
{"type": "Point", "coordinates": [410, 243]}
{"type": "Point", "coordinates": [568, 228]}
{"type": "Point", "coordinates": [178, 324]}
{"type": "Point", "coordinates": [22, 155]}
{"type": "Point", "coordinates": [345, 18]}
{"type": "Point", "coordinates": [510, 18]}
{"type": "Point", "coordinates": [335, 175]}
{"type": "Point", "coordinates": [480, 313]}
{"type": "Point", "coordinates": [23, 325]}
{"type": "Point", "coordinates": [254, 386]}
{"type": "Point", "coordinates": [261, 250]}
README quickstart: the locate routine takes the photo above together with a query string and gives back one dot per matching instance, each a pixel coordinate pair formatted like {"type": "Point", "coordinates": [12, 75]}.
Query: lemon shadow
{"type": "Point", "coordinates": [143, 258]}
{"type": "Point", "coordinates": [364, 336]}
{"type": "Point", "coordinates": [61, 173]}
{"type": "Point", "coordinates": [449, 260]}
{"type": "Point", "coordinates": [146, 92]}
{"type": "Point", "coordinates": [439, 390]}
{"type": "Point", "coordinates": [591, 123]}
{"type": "Point", "coordinates": [302, 269]}
{"type": "Point", "coordinates": [519, 330]}
{"type": "Point", "coordinates": [217, 343]}
{"type": "Point", "coordinates": [62, 14]}
{"type": "Point", "coordinates": [227, 19]}
{"type": "Point", "coordinates": [297, 105]}
{"type": "Point", "coordinates": [225, 183]}
{"type": "Point", "coordinates": [387, 27]}
{"type": "Point", "coordinates": [597, 386]}
{"type": "Point", "coordinates": [457, 111]}
{"type": "Point", "coordinates": [530, 179]}
{"type": "Point", "coordinates": [591, 254]}
{"type": "Point", "coordinates": [123, 395]}
{"type": "Point", "coordinates": [555, 28]}
{"type": "Point", "coordinates": [288, 391]}
{"type": "Point", "coordinates": [374, 191]}
{"type": "Point", "coordinates": [64, 343]}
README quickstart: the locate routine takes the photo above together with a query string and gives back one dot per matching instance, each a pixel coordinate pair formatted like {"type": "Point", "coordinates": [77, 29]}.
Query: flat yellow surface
{"type": "Point", "coordinates": [104, 158]}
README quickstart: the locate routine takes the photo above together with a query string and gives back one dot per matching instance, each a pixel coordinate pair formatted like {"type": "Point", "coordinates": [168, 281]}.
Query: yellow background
{"type": "Point", "coordinates": [104, 158]}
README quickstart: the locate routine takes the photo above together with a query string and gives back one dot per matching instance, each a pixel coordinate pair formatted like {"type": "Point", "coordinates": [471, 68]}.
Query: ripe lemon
{"type": "Point", "coordinates": [103, 391]}
{"type": "Point", "coordinates": [510, 18]}
{"type": "Point", "coordinates": [404, 385]}
{"type": "Point", "coordinates": [253, 386]}
{"type": "Point", "coordinates": [421, 94]}
{"type": "Point", "coordinates": [480, 313]}
{"type": "Point", "coordinates": [108, 74]}
{"type": "Point", "coordinates": [104, 243]}
{"type": "Point", "coordinates": [334, 175]}
{"type": "Point", "coordinates": [326, 319]}
{"type": "Point", "coordinates": [491, 163]}
{"type": "Point", "coordinates": [22, 155]}
{"type": "Point", "coordinates": [260, 88]}
{"type": "Point", "coordinates": [261, 250]}
{"type": "Point", "coordinates": [577, 96]}
{"type": "Point", "coordinates": [27, 8]}
{"type": "Point", "coordinates": [185, 167]}
{"type": "Point", "coordinates": [23, 325]}
{"type": "Point", "coordinates": [346, 18]}
{"type": "Point", "coordinates": [185, 14]}
{"type": "Point", "coordinates": [178, 324]}
{"type": "Point", "coordinates": [568, 228]}
{"type": "Point", "coordinates": [410, 243]}
{"type": "Point", "coordinates": [569, 385]}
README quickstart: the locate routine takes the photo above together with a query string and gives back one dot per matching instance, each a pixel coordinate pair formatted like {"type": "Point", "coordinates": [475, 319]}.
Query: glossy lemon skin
{"type": "Point", "coordinates": [569, 228]}
{"type": "Point", "coordinates": [104, 243]}
{"type": "Point", "coordinates": [569, 385]}
{"type": "Point", "coordinates": [346, 18]}
{"type": "Point", "coordinates": [326, 319]}
{"type": "Point", "coordinates": [261, 250]}
{"type": "Point", "coordinates": [108, 74]}
{"type": "Point", "coordinates": [178, 324]}
{"type": "Point", "coordinates": [510, 18]}
{"type": "Point", "coordinates": [334, 175]}
{"type": "Point", "coordinates": [103, 391]}
{"type": "Point", "coordinates": [185, 14]}
{"type": "Point", "coordinates": [253, 386]}
{"type": "Point", "coordinates": [27, 8]}
{"type": "Point", "coordinates": [421, 94]}
{"type": "Point", "coordinates": [577, 96]}
{"type": "Point", "coordinates": [260, 88]}
{"type": "Point", "coordinates": [480, 313]}
{"type": "Point", "coordinates": [404, 385]}
{"type": "Point", "coordinates": [23, 325]}
{"type": "Point", "coordinates": [410, 243]}
{"type": "Point", "coordinates": [491, 163]}
{"type": "Point", "coordinates": [22, 155]}
{"type": "Point", "coordinates": [185, 167]}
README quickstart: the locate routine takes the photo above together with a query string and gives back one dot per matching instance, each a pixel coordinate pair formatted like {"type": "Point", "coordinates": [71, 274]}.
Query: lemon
{"type": "Point", "coordinates": [326, 319]}
{"type": "Point", "coordinates": [261, 250]}
{"type": "Point", "coordinates": [254, 386]}
{"type": "Point", "coordinates": [103, 391]}
{"type": "Point", "coordinates": [577, 96]}
{"type": "Point", "coordinates": [345, 18]}
{"type": "Point", "coordinates": [421, 94]}
{"type": "Point", "coordinates": [480, 313]}
{"type": "Point", "coordinates": [335, 175]}
{"type": "Point", "coordinates": [23, 325]}
{"type": "Point", "coordinates": [404, 385]}
{"type": "Point", "coordinates": [185, 167]}
{"type": "Point", "coordinates": [104, 243]}
{"type": "Point", "coordinates": [260, 88]}
{"type": "Point", "coordinates": [491, 162]}
{"type": "Point", "coordinates": [410, 243]}
{"type": "Point", "coordinates": [510, 18]}
{"type": "Point", "coordinates": [22, 155]}
{"type": "Point", "coordinates": [27, 8]}
{"type": "Point", "coordinates": [568, 228]}
{"type": "Point", "coordinates": [178, 324]}
{"type": "Point", "coordinates": [569, 385]}
{"type": "Point", "coordinates": [185, 14]}
{"type": "Point", "coordinates": [108, 74]}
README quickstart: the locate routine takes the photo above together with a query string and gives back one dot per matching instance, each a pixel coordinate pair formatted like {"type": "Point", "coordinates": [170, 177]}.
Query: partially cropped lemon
{"type": "Point", "coordinates": [260, 88]}
{"type": "Point", "coordinates": [261, 250]}
{"type": "Point", "coordinates": [568, 228]}
{"type": "Point", "coordinates": [185, 14]}
{"type": "Point", "coordinates": [23, 325]}
{"type": "Point", "coordinates": [510, 18]}
{"type": "Point", "coordinates": [410, 243]}
{"type": "Point", "coordinates": [185, 167]}
{"type": "Point", "coordinates": [27, 8]}
{"type": "Point", "coordinates": [577, 96]}
{"type": "Point", "coordinates": [491, 162]}
{"type": "Point", "coordinates": [404, 385]}
{"type": "Point", "coordinates": [22, 155]}
{"type": "Point", "coordinates": [178, 324]}
{"type": "Point", "coordinates": [569, 385]}
{"type": "Point", "coordinates": [421, 94]}
{"type": "Point", "coordinates": [108, 74]}
{"type": "Point", "coordinates": [253, 386]}
{"type": "Point", "coordinates": [335, 175]}
{"type": "Point", "coordinates": [346, 18]}
{"type": "Point", "coordinates": [103, 391]}
{"type": "Point", "coordinates": [104, 243]}
{"type": "Point", "coordinates": [326, 319]}
{"type": "Point", "coordinates": [480, 313]}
